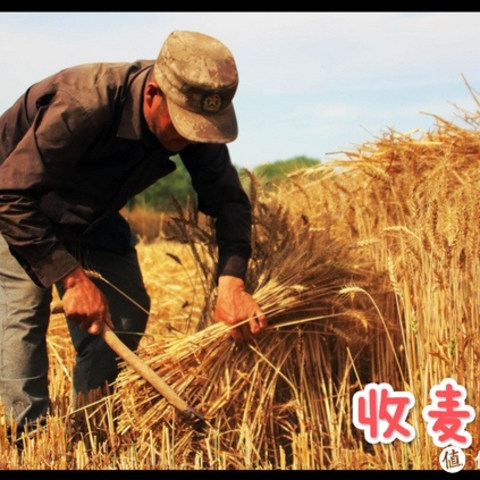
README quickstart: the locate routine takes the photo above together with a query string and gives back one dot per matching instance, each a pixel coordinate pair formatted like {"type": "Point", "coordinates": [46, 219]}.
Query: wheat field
{"type": "Point", "coordinates": [367, 269]}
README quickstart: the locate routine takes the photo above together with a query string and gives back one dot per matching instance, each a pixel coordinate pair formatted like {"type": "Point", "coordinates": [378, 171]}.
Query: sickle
{"type": "Point", "coordinates": [134, 361]}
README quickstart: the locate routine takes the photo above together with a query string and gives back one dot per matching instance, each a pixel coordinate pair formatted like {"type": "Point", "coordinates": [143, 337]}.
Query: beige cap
{"type": "Point", "coordinates": [198, 75]}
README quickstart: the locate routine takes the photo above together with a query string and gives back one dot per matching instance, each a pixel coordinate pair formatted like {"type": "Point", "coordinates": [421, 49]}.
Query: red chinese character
{"type": "Point", "coordinates": [381, 412]}
{"type": "Point", "coordinates": [448, 416]}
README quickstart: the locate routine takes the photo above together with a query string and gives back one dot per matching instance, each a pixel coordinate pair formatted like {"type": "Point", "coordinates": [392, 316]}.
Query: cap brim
{"type": "Point", "coordinates": [220, 127]}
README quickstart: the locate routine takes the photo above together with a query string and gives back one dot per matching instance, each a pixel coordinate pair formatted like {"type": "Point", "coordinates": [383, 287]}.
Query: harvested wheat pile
{"type": "Point", "coordinates": [264, 401]}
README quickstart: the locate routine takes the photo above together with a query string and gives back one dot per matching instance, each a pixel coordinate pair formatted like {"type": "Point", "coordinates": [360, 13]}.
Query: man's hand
{"type": "Point", "coordinates": [84, 303]}
{"type": "Point", "coordinates": [235, 305]}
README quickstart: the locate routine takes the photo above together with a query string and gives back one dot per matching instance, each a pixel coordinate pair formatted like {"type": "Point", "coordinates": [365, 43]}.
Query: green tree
{"type": "Point", "coordinates": [280, 169]}
{"type": "Point", "coordinates": [275, 172]}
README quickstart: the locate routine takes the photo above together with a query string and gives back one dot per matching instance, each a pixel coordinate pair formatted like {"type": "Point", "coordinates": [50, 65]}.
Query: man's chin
{"type": "Point", "coordinates": [176, 147]}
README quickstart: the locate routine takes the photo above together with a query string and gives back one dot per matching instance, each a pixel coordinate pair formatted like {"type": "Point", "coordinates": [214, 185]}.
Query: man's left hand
{"type": "Point", "coordinates": [234, 305]}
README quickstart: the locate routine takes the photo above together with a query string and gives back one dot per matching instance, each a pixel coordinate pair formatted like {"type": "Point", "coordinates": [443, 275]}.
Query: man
{"type": "Point", "coordinates": [73, 150]}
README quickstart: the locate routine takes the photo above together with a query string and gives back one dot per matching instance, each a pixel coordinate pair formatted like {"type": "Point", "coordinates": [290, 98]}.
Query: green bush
{"type": "Point", "coordinates": [177, 184]}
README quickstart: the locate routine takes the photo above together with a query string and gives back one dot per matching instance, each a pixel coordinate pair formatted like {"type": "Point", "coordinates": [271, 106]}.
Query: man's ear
{"type": "Point", "coordinates": [151, 90]}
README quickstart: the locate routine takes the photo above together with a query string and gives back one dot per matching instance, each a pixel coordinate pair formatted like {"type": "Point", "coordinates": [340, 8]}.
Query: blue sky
{"type": "Point", "coordinates": [311, 83]}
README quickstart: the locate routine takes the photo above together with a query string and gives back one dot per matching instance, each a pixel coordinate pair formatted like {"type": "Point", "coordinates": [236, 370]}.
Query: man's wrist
{"type": "Point", "coordinates": [73, 278]}
{"type": "Point", "coordinates": [230, 281]}
{"type": "Point", "coordinates": [234, 265]}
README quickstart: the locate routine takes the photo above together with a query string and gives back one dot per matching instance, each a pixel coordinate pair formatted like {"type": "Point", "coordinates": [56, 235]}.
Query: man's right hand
{"type": "Point", "coordinates": [84, 303]}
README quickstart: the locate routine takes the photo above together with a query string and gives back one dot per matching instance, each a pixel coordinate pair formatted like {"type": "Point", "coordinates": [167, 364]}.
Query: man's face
{"type": "Point", "coordinates": [160, 124]}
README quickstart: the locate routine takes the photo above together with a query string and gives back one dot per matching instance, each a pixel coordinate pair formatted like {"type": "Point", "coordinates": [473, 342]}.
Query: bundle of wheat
{"type": "Point", "coordinates": [266, 397]}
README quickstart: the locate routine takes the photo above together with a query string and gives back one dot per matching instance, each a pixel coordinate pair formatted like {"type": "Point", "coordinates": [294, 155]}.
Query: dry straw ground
{"type": "Point", "coordinates": [368, 271]}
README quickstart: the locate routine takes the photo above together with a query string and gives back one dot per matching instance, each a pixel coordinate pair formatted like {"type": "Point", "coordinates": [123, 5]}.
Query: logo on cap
{"type": "Point", "coordinates": [212, 103]}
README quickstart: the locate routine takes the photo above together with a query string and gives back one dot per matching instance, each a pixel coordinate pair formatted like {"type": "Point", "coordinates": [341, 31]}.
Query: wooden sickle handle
{"type": "Point", "coordinates": [134, 361]}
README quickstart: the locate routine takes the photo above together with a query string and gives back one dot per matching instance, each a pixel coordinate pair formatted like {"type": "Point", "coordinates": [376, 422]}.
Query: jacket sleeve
{"type": "Point", "coordinates": [41, 161]}
{"type": "Point", "coordinates": [221, 195]}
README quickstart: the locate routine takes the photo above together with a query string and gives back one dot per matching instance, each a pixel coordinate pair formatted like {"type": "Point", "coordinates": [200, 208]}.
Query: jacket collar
{"type": "Point", "coordinates": [132, 125]}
